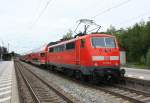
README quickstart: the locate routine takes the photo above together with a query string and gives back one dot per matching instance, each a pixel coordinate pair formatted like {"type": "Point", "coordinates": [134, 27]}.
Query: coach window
{"type": "Point", "coordinates": [82, 43]}
{"type": "Point", "coordinates": [51, 49]}
{"type": "Point", "coordinates": [70, 45]}
{"type": "Point", "coordinates": [35, 59]}
{"type": "Point", "coordinates": [61, 48]}
{"type": "Point", "coordinates": [56, 49]}
{"type": "Point", "coordinates": [42, 54]}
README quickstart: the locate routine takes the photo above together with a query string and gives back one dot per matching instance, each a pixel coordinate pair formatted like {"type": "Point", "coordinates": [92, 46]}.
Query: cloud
{"type": "Point", "coordinates": [17, 17]}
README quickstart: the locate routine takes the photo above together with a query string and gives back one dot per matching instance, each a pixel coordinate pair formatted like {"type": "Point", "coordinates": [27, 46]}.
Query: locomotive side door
{"type": "Point", "coordinates": [77, 60]}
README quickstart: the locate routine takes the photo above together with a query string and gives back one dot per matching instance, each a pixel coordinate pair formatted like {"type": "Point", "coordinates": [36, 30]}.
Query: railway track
{"type": "Point", "coordinates": [41, 91]}
{"type": "Point", "coordinates": [119, 90]}
{"type": "Point", "coordinates": [132, 95]}
{"type": "Point", "coordinates": [122, 91]}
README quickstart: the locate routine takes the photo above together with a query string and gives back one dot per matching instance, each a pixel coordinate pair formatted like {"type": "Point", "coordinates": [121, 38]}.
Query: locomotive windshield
{"type": "Point", "coordinates": [104, 42]}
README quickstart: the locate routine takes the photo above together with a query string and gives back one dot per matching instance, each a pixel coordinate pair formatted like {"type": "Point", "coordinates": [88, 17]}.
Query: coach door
{"type": "Point", "coordinates": [77, 52]}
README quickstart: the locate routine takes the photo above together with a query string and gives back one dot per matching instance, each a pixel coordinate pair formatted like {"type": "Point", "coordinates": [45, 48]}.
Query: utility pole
{"type": "Point", "coordinates": [8, 48]}
{"type": "Point", "coordinates": [0, 53]}
{"type": "Point", "coordinates": [2, 50]}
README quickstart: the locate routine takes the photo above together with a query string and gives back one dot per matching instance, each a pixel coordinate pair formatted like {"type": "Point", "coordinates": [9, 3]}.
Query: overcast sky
{"type": "Point", "coordinates": [20, 28]}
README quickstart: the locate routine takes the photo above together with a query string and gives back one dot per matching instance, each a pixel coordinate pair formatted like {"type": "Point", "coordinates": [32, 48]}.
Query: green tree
{"type": "Point", "coordinates": [134, 40]}
{"type": "Point", "coordinates": [68, 35]}
{"type": "Point", "coordinates": [111, 30]}
{"type": "Point", "coordinates": [148, 58]}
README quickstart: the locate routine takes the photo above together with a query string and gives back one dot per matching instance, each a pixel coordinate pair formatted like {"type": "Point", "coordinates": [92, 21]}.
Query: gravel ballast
{"type": "Point", "coordinates": [84, 93]}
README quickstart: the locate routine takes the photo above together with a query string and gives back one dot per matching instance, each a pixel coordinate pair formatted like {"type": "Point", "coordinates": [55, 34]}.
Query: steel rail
{"type": "Point", "coordinates": [131, 89]}
{"type": "Point", "coordinates": [67, 99]}
{"type": "Point", "coordinates": [27, 84]}
{"type": "Point", "coordinates": [118, 94]}
{"type": "Point", "coordinates": [108, 90]}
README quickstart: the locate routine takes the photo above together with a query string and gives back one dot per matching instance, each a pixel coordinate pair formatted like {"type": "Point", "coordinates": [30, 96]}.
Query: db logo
{"type": "Point", "coordinates": [107, 58]}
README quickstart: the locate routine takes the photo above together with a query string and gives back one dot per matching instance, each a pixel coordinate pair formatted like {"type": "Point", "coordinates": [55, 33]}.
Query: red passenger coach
{"type": "Point", "coordinates": [26, 58]}
{"type": "Point", "coordinates": [39, 56]}
{"type": "Point", "coordinates": [92, 54]}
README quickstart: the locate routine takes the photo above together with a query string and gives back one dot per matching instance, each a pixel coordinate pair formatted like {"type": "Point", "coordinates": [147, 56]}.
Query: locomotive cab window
{"type": "Point", "coordinates": [104, 42]}
{"type": "Point", "coordinates": [70, 45]}
{"type": "Point", "coordinates": [110, 42]}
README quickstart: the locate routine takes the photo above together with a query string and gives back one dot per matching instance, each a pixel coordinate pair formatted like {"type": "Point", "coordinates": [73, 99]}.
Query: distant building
{"type": "Point", "coordinates": [3, 50]}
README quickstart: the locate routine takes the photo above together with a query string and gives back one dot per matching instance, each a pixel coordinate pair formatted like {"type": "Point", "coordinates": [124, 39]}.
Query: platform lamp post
{"type": "Point", "coordinates": [8, 48]}
{"type": "Point", "coordinates": [2, 50]}
{"type": "Point", "coordinates": [1, 54]}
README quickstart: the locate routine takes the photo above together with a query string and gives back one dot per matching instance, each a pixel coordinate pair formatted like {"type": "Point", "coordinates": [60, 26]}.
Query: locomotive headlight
{"type": "Point", "coordinates": [116, 64]}
{"type": "Point", "coordinates": [114, 57]}
{"type": "Point", "coordinates": [97, 58]}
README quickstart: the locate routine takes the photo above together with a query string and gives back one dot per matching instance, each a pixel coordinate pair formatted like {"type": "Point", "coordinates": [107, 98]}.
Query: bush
{"type": "Point", "coordinates": [148, 58]}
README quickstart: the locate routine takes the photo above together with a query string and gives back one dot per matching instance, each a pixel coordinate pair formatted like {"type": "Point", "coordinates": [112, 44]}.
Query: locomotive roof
{"type": "Point", "coordinates": [39, 50]}
{"type": "Point", "coordinates": [52, 44]}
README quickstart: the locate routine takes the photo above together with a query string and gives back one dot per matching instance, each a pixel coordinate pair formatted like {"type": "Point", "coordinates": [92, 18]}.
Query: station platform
{"type": "Point", "coordinates": [137, 73]}
{"type": "Point", "coordinates": [8, 83]}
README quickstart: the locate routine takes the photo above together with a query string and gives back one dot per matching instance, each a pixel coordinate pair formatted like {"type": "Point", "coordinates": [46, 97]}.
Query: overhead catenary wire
{"type": "Point", "coordinates": [41, 13]}
{"type": "Point", "coordinates": [37, 9]}
{"type": "Point", "coordinates": [109, 9]}
{"type": "Point", "coordinates": [136, 17]}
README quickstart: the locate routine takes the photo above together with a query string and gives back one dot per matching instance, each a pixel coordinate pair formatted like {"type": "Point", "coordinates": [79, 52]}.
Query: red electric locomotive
{"type": "Point", "coordinates": [92, 55]}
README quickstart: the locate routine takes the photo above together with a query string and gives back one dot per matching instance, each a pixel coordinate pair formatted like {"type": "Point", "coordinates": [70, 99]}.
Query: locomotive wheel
{"type": "Point", "coordinates": [79, 75]}
{"type": "Point", "coordinates": [52, 68]}
{"type": "Point", "coordinates": [86, 78]}
{"type": "Point", "coordinates": [70, 73]}
{"type": "Point", "coordinates": [94, 79]}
